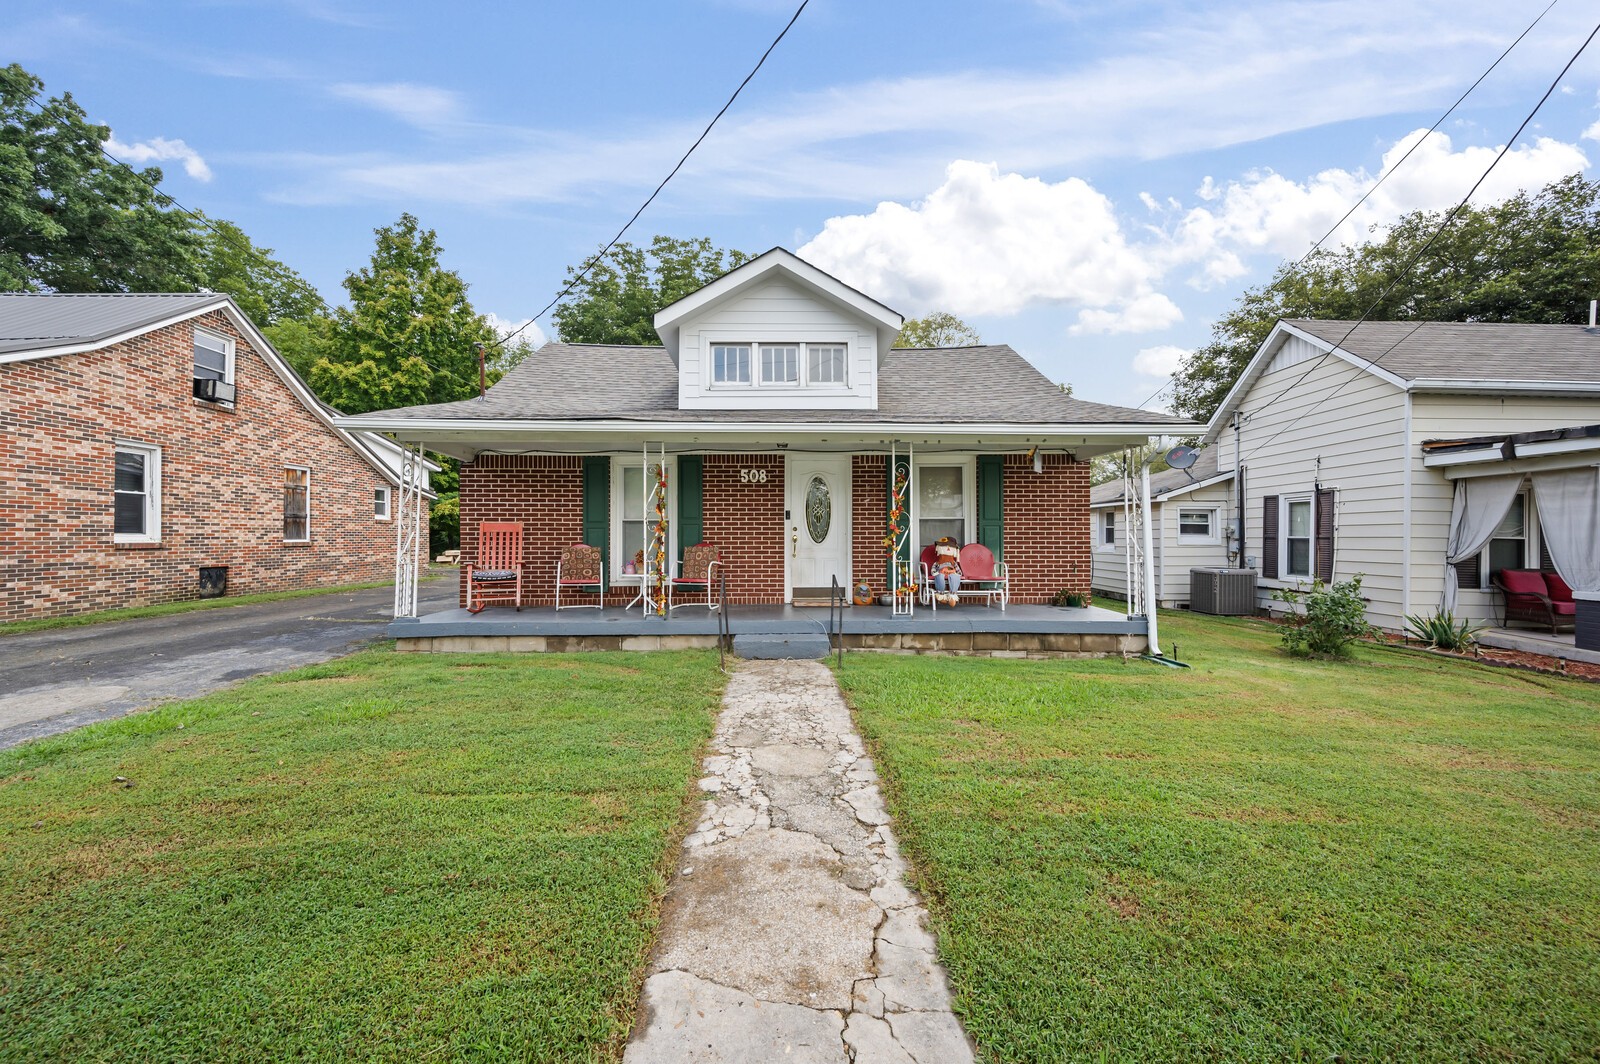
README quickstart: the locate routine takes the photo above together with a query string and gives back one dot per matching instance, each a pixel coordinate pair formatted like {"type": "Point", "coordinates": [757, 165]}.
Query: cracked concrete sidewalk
{"type": "Point", "coordinates": [788, 932]}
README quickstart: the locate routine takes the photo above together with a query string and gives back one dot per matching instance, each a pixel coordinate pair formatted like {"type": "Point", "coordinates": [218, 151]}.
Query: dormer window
{"type": "Point", "coordinates": [780, 363]}
{"type": "Point", "coordinates": [730, 364]}
{"type": "Point", "coordinates": [826, 363]}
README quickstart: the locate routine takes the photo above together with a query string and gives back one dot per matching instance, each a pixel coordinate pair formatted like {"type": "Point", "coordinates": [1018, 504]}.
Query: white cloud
{"type": "Point", "coordinates": [989, 243]}
{"type": "Point", "coordinates": [1159, 361]}
{"type": "Point", "coordinates": [425, 106]}
{"type": "Point", "coordinates": [504, 327]}
{"type": "Point", "coordinates": [1150, 312]}
{"type": "Point", "coordinates": [160, 149]}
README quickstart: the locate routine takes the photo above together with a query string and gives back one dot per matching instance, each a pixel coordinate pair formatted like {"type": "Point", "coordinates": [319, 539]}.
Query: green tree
{"type": "Point", "coordinates": [265, 289]}
{"type": "Point", "coordinates": [937, 330]}
{"type": "Point", "coordinates": [409, 335]}
{"type": "Point", "coordinates": [617, 300]}
{"type": "Point", "coordinates": [1532, 258]}
{"type": "Point", "coordinates": [70, 219]}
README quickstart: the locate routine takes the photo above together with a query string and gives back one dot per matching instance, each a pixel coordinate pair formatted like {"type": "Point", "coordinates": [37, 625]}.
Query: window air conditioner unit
{"type": "Point", "coordinates": [214, 391]}
{"type": "Point", "coordinates": [1224, 592]}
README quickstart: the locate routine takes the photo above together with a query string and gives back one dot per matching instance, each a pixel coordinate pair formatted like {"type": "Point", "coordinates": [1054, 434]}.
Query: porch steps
{"type": "Point", "coordinates": [815, 597]}
{"type": "Point", "coordinates": [801, 647]}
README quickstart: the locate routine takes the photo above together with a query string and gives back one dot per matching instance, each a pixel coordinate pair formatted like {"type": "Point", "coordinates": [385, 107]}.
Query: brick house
{"type": "Point", "coordinates": [148, 436]}
{"type": "Point", "coordinates": [778, 406]}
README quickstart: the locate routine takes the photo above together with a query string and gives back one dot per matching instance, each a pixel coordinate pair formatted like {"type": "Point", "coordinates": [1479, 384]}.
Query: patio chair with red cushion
{"type": "Point", "coordinates": [982, 575]}
{"type": "Point", "coordinates": [581, 568]}
{"type": "Point", "coordinates": [696, 572]}
{"type": "Point", "coordinates": [496, 571]}
{"type": "Point", "coordinates": [1527, 598]}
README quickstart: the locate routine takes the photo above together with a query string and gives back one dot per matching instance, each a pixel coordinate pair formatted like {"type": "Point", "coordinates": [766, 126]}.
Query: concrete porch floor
{"type": "Point", "coordinates": [1019, 630]}
{"type": "Point", "coordinates": [1533, 641]}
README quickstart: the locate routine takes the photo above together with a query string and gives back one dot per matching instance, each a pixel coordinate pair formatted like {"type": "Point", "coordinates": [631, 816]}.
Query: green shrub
{"type": "Point", "coordinates": [444, 524]}
{"type": "Point", "coordinates": [1442, 631]}
{"type": "Point", "coordinates": [1325, 619]}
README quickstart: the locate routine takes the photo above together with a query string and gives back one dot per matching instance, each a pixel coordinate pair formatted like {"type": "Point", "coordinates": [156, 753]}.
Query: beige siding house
{"type": "Point", "coordinates": [1190, 510]}
{"type": "Point", "coordinates": [1331, 426]}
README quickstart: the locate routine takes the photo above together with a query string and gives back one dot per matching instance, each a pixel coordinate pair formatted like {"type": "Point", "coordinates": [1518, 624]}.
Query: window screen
{"type": "Point", "coordinates": [132, 494]}
{"type": "Point", "coordinates": [210, 357]}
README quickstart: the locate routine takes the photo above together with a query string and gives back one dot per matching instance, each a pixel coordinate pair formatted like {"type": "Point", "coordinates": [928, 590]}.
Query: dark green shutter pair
{"type": "Point", "coordinates": [597, 503]}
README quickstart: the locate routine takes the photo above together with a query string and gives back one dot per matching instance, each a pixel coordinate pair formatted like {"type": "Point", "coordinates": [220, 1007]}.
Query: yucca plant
{"type": "Point", "coordinates": [1442, 631]}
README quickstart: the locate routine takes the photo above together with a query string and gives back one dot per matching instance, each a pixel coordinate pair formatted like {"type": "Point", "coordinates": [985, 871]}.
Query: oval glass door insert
{"type": "Point", "coordinates": [819, 510]}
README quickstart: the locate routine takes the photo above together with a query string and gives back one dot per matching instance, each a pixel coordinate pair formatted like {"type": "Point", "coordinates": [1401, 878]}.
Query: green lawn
{"type": "Point", "coordinates": [388, 856]}
{"type": "Point", "coordinates": [1260, 858]}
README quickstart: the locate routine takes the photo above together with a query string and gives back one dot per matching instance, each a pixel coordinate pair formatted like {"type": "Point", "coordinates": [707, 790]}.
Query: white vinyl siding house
{"type": "Point", "coordinates": [1308, 414]}
{"type": "Point", "coordinates": [1188, 525]}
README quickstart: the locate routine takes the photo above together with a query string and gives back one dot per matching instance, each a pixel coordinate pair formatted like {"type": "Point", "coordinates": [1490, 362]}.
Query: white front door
{"type": "Point", "coordinates": [819, 520]}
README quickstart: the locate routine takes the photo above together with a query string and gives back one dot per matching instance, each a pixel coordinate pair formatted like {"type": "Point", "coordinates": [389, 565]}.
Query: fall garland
{"type": "Point", "coordinates": [658, 542]}
{"type": "Point", "coordinates": [896, 533]}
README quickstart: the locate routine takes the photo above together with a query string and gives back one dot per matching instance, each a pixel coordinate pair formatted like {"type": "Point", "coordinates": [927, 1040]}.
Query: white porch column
{"type": "Point", "coordinates": [408, 531]}
{"type": "Point", "coordinates": [1149, 567]}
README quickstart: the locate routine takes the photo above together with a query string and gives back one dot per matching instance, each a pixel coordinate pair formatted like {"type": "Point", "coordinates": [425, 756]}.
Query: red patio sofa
{"type": "Point", "coordinates": [1537, 598]}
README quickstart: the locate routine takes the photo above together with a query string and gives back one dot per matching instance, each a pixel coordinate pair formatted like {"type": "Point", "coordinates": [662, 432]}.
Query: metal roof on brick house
{"type": "Point", "coordinates": [32, 320]}
{"type": "Point", "coordinates": [989, 383]}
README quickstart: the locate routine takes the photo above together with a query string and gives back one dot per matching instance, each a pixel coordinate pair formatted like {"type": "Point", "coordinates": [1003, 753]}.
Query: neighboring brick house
{"type": "Point", "coordinates": [120, 482]}
{"type": "Point", "coordinates": [776, 401]}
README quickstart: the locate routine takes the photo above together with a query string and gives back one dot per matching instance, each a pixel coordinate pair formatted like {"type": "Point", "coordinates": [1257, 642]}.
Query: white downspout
{"type": "Point", "coordinates": [1149, 567]}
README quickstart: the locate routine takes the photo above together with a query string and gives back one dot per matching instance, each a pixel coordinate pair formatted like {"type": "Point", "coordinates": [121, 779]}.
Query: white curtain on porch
{"type": "Point", "coordinates": [1480, 505]}
{"type": "Point", "coordinates": [1569, 521]}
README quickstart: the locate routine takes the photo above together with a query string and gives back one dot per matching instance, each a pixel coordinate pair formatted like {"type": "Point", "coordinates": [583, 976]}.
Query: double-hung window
{"type": "Point", "coordinates": [635, 517]}
{"type": "Point", "coordinates": [780, 363]}
{"type": "Point", "coordinates": [941, 504]}
{"type": "Point", "coordinates": [730, 364]}
{"type": "Point", "coordinates": [296, 504]}
{"type": "Point", "coordinates": [380, 503]}
{"type": "Point", "coordinates": [136, 494]}
{"type": "Point", "coordinates": [1297, 537]}
{"type": "Point", "coordinates": [1197, 525]}
{"type": "Point", "coordinates": [1108, 529]}
{"type": "Point", "coordinates": [1508, 547]}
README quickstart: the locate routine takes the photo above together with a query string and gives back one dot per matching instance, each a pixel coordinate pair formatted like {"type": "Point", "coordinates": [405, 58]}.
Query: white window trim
{"type": "Point", "coordinates": [1530, 542]}
{"type": "Point", "coordinates": [1210, 538]}
{"type": "Point", "coordinates": [388, 504]}
{"type": "Point", "coordinates": [281, 515]}
{"type": "Point", "coordinates": [1283, 538]}
{"type": "Point", "coordinates": [1100, 543]}
{"type": "Point", "coordinates": [618, 463]}
{"type": "Point", "coordinates": [969, 496]}
{"type": "Point", "coordinates": [152, 493]}
{"type": "Point", "coordinates": [821, 338]}
{"type": "Point", "coordinates": [228, 352]}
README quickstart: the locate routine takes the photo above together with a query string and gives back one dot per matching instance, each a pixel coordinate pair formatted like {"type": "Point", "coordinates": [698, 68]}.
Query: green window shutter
{"type": "Point", "coordinates": [597, 505]}
{"type": "Point", "coordinates": [991, 509]}
{"type": "Point", "coordinates": [691, 501]}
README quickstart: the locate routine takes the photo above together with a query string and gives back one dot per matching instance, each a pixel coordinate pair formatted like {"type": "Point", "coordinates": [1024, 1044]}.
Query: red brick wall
{"type": "Point", "coordinates": [1046, 526]}
{"type": "Point", "coordinates": [221, 481]}
{"type": "Point", "coordinates": [869, 510]}
{"type": "Point", "coordinates": [746, 521]}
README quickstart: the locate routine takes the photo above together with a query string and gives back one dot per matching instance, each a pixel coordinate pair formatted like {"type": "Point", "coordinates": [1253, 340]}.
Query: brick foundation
{"type": "Point", "coordinates": [221, 481]}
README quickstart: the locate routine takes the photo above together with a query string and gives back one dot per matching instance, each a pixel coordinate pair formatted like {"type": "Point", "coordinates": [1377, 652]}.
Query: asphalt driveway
{"type": "Point", "coordinates": [59, 679]}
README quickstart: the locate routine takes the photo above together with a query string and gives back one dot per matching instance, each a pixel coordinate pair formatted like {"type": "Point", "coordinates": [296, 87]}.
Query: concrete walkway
{"type": "Point", "coordinates": [788, 933]}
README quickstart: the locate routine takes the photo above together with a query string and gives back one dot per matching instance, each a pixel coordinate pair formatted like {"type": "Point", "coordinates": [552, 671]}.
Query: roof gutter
{"type": "Point", "coordinates": [419, 427]}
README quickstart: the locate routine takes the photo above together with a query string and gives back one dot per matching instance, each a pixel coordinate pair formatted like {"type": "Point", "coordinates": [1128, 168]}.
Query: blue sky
{"type": "Point", "coordinates": [1092, 182]}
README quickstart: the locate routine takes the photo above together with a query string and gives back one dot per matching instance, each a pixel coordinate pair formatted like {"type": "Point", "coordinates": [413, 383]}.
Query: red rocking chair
{"type": "Point", "coordinates": [496, 574]}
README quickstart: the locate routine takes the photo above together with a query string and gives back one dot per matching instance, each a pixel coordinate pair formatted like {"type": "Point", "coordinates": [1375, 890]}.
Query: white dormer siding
{"type": "Point", "coordinates": [777, 312]}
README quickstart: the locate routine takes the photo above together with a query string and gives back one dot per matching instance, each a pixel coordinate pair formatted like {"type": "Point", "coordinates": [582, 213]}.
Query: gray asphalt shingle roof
{"type": "Point", "coordinates": [1204, 468]}
{"type": "Point", "coordinates": [48, 319]}
{"type": "Point", "coordinates": [988, 383]}
{"type": "Point", "coordinates": [1449, 350]}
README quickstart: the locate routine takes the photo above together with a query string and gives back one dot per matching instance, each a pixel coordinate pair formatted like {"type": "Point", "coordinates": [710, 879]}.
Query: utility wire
{"type": "Point", "coordinates": [595, 260]}
{"type": "Point", "coordinates": [1431, 130]}
{"type": "Point", "coordinates": [1405, 269]}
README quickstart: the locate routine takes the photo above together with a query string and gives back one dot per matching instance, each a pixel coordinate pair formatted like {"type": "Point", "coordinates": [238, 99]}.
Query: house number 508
{"type": "Point", "coordinates": [752, 476]}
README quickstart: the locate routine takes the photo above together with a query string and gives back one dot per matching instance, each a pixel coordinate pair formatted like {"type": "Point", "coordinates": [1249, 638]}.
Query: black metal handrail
{"type": "Point", "coordinates": [836, 600]}
{"type": "Point", "coordinates": [724, 625]}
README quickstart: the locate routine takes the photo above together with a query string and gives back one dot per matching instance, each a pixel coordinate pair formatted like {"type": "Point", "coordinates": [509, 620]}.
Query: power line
{"type": "Point", "coordinates": [595, 260]}
{"type": "Point", "coordinates": [1412, 261]}
{"type": "Point", "coordinates": [1431, 130]}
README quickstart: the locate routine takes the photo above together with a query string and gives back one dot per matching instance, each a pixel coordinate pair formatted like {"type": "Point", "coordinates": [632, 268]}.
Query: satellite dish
{"type": "Point", "coordinates": [1182, 457]}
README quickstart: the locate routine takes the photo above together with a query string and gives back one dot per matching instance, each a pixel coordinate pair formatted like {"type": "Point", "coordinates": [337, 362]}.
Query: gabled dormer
{"type": "Point", "coordinates": [777, 333]}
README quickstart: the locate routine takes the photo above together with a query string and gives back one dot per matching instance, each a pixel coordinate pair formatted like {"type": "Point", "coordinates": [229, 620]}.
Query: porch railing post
{"type": "Point", "coordinates": [407, 531]}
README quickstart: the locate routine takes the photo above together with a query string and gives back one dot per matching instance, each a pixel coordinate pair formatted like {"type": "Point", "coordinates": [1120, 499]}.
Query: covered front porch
{"type": "Point", "coordinates": [1019, 631]}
